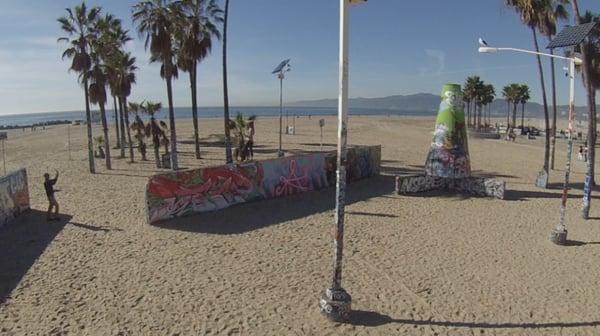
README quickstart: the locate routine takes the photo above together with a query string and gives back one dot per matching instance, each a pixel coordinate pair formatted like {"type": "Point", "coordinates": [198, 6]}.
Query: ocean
{"type": "Point", "coordinates": [16, 120]}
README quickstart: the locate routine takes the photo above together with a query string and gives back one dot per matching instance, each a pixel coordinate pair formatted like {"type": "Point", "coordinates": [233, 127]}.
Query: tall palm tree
{"type": "Point", "coordinates": [524, 95]}
{"type": "Point", "coordinates": [553, 12]}
{"type": "Point", "coordinates": [77, 24]}
{"type": "Point", "coordinates": [194, 36]}
{"type": "Point", "coordinates": [114, 37]}
{"type": "Point", "coordinates": [155, 19]}
{"type": "Point", "coordinates": [508, 92]}
{"type": "Point", "coordinates": [97, 92]}
{"type": "Point", "coordinates": [125, 71]}
{"type": "Point", "coordinates": [489, 96]}
{"type": "Point", "coordinates": [531, 13]}
{"type": "Point", "coordinates": [153, 129]}
{"type": "Point", "coordinates": [470, 91]}
{"type": "Point", "coordinates": [228, 154]}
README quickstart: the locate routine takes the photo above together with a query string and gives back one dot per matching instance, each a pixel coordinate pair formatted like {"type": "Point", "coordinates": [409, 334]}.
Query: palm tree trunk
{"type": "Point", "coordinates": [514, 115]}
{"type": "Point", "coordinates": [545, 102]}
{"type": "Point", "coordinates": [474, 113]}
{"type": "Point", "coordinates": [106, 140]}
{"type": "Point", "coordinates": [228, 155]}
{"type": "Point", "coordinates": [127, 127]}
{"type": "Point", "coordinates": [155, 142]}
{"type": "Point", "coordinates": [507, 115]}
{"type": "Point", "coordinates": [468, 112]}
{"type": "Point", "coordinates": [553, 142]}
{"type": "Point", "coordinates": [88, 117]}
{"type": "Point", "coordinates": [116, 122]}
{"type": "Point", "coordinates": [174, 165]}
{"type": "Point", "coordinates": [522, 115]}
{"type": "Point", "coordinates": [195, 109]}
{"type": "Point", "coordinates": [122, 124]}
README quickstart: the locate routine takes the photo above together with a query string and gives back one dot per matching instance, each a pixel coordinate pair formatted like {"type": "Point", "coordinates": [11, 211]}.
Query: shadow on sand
{"type": "Point", "coordinates": [252, 216]}
{"type": "Point", "coordinates": [21, 243]}
{"type": "Point", "coordinates": [374, 319]}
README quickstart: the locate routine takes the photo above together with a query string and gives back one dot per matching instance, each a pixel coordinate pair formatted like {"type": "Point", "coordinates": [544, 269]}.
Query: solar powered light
{"type": "Point", "coordinates": [568, 37]}
{"type": "Point", "coordinates": [280, 71]}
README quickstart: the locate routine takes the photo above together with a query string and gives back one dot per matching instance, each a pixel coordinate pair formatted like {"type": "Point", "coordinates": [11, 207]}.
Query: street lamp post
{"type": "Point", "coordinates": [559, 233]}
{"type": "Point", "coordinates": [280, 70]}
{"type": "Point", "coordinates": [336, 302]}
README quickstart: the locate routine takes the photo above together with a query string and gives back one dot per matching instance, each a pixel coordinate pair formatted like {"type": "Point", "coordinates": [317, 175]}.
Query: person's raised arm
{"type": "Point", "coordinates": [56, 176]}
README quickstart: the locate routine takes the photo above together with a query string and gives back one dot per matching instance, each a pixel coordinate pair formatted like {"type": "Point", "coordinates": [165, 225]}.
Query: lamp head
{"type": "Point", "coordinates": [357, 2]}
{"type": "Point", "coordinates": [488, 50]}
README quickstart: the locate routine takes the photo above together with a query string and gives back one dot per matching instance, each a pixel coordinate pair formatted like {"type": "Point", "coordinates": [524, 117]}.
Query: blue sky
{"type": "Point", "coordinates": [397, 47]}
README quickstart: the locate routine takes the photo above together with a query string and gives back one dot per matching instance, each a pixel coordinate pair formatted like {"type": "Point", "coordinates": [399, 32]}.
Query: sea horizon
{"type": "Point", "coordinates": [39, 118]}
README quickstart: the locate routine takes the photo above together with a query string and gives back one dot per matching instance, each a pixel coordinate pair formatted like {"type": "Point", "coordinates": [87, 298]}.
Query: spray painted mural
{"type": "Point", "coordinates": [14, 196]}
{"type": "Point", "coordinates": [448, 165]}
{"type": "Point", "coordinates": [182, 193]}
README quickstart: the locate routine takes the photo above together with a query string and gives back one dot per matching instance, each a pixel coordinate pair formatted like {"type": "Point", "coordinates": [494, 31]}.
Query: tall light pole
{"type": "Point", "coordinates": [559, 233]}
{"type": "Point", "coordinates": [280, 70]}
{"type": "Point", "coordinates": [336, 303]}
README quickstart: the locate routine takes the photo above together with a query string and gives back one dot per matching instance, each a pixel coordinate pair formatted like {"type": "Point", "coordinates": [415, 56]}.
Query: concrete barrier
{"type": "Point", "coordinates": [14, 196]}
{"type": "Point", "coordinates": [182, 193]}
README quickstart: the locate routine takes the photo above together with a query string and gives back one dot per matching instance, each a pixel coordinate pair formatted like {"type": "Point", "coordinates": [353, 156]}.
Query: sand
{"type": "Point", "coordinates": [433, 264]}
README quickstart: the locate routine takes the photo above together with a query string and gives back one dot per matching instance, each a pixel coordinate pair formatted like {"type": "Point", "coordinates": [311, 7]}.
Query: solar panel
{"type": "Point", "coordinates": [281, 66]}
{"type": "Point", "coordinates": [571, 36]}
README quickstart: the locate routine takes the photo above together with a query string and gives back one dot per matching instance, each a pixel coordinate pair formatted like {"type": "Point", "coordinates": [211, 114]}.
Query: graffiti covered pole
{"type": "Point", "coordinates": [559, 233]}
{"type": "Point", "coordinates": [280, 151]}
{"type": "Point", "coordinates": [336, 302]}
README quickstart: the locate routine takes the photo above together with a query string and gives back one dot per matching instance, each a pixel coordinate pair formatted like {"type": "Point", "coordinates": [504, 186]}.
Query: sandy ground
{"type": "Point", "coordinates": [433, 264]}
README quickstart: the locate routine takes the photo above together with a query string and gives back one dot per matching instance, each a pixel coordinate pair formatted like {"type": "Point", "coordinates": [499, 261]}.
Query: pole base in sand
{"type": "Point", "coordinates": [558, 237]}
{"type": "Point", "coordinates": [280, 154]}
{"type": "Point", "coordinates": [336, 304]}
{"type": "Point", "coordinates": [542, 180]}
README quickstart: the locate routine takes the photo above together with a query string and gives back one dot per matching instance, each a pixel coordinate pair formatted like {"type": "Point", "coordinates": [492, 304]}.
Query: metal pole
{"type": "Point", "coordinates": [559, 233]}
{"type": "Point", "coordinates": [321, 137]}
{"type": "Point", "coordinates": [294, 125]}
{"type": "Point", "coordinates": [336, 302]}
{"type": "Point", "coordinates": [287, 123]}
{"type": "Point", "coordinates": [280, 152]}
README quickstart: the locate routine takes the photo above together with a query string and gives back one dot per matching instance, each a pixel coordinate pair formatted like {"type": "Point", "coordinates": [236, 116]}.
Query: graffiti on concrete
{"type": "Point", "coordinates": [182, 193]}
{"type": "Point", "coordinates": [448, 165]}
{"type": "Point", "coordinates": [14, 196]}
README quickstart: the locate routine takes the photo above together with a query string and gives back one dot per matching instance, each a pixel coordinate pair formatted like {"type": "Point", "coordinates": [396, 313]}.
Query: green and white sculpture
{"type": "Point", "coordinates": [448, 165]}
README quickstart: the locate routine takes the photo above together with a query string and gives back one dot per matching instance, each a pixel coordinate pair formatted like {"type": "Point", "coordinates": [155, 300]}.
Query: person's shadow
{"type": "Point", "coordinates": [374, 319]}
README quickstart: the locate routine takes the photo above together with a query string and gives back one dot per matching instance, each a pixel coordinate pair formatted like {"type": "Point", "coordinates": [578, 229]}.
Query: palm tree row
{"type": "Point", "coordinates": [515, 94]}
{"type": "Point", "coordinates": [477, 95]}
{"type": "Point", "coordinates": [96, 48]}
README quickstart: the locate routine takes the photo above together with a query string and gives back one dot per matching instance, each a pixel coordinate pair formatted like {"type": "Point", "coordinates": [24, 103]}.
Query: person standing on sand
{"type": "Point", "coordinates": [49, 186]}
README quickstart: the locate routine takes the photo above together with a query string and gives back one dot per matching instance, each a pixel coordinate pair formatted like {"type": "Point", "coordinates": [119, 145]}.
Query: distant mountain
{"type": "Point", "coordinates": [427, 104]}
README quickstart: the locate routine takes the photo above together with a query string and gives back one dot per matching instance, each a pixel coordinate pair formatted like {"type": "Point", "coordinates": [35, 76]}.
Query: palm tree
{"type": "Point", "coordinates": [78, 26]}
{"type": "Point", "coordinates": [532, 13]}
{"type": "Point", "coordinates": [489, 96]}
{"type": "Point", "coordinates": [194, 36]}
{"type": "Point", "coordinates": [139, 128]}
{"type": "Point", "coordinates": [125, 71]}
{"type": "Point", "coordinates": [228, 156]}
{"type": "Point", "coordinates": [156, 20]}
{"type": "Point", "coordinates": [470, 93]}
{"type": "Point", "coordinates": [524, 95]}
{"type": "Point", "coordinates": [153, 129]}
{"type": "Point", "coordinates": [239, 126]}
{"type": "Point", "coordinates": [114, 38]}
{"type": "Point", "coordinates": [97, 92]}
{"type": "Point", "coordinates": [507, 96]}
{"type": "Point", "coordinates": [554, 11]}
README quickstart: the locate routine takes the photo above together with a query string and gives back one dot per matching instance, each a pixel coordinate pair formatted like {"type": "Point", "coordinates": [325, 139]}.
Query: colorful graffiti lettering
{"type": "Point", "coordinates": [178, 194]}
{"type": "Point", "coordinates": [14, 196]}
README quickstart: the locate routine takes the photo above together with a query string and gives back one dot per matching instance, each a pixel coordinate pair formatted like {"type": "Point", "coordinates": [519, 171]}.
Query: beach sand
{"type": "Point", "coordinates": [430, 264]}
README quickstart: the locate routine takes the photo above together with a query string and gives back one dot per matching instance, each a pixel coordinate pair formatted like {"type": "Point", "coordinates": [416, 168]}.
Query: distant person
{"type": "Point", "coordinates": [49, 186]}
{"type": "Point", "coordinates": [580, 154]}
{"type": "Point", "coordinates": [250, 142]}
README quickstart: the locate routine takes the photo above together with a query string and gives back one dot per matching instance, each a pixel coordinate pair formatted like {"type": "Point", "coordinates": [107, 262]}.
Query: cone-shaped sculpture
{"type": "Point", "coordinates": [449, 153]}
{"type": "Point", "coordinates": [448, 166]}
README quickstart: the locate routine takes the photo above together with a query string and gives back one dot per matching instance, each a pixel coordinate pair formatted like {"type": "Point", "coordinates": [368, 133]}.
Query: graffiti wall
{"type": "Point", "coordinates": [479, 186]}
{"type": "Point", "coordinates": [14, 196]}
{"type": "Point", "coordinates": [182, 193]}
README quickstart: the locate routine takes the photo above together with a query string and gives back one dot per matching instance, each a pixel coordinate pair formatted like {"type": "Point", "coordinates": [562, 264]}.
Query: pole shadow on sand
{"type": "Point", "coordinates": [374, 319]}
{"type": "Point", "coordinates": [21, 244]}
{"type": "Point", "coordinates": [252, 216]}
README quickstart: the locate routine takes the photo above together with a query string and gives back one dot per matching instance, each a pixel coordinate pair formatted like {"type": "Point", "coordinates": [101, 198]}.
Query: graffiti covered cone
{"type": "Point", "coordinates": [449, 153]}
